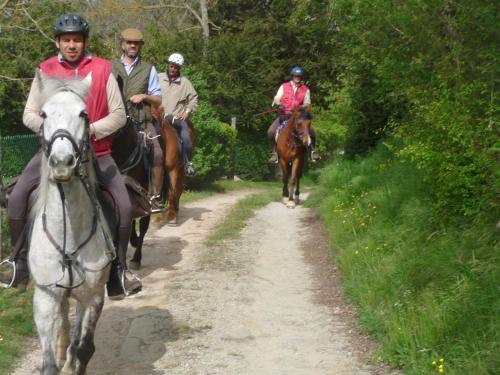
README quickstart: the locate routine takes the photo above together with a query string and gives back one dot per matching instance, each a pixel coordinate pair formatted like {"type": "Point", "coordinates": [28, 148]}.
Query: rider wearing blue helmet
{"type": "Point", "coordinates": [291, 94]}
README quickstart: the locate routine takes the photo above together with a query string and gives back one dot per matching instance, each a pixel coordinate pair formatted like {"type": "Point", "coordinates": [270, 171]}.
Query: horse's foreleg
{"type": "Point", "coordinates": [47, 315]}
{"type": "Point", "coordinates": [171, 211]}
{"type": "Point", "coordinates": [294, 183]}
{"type": "Point", "coordinates": [284, 178]}
{"type": "Point", "coordinates": [63, 339]}
{"type": "Point", "coordinates": [296, 175]}
{"type": "Point", "coordinates": [135, 262]}
{"type": "Point", "coordinates": [71, 357]}
{"type": "Point", "coordinates": [86, 347]}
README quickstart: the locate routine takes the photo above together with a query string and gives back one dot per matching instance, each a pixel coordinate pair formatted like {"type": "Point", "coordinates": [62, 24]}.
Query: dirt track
{"type": "Point", "coordinates": [268, 303]}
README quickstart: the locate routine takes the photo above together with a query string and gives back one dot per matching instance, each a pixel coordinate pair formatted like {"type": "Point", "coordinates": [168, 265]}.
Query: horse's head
{"type": "Point", "coordinates": [64, 131]}
{"type": "Point", "coordinates": [302, 120]}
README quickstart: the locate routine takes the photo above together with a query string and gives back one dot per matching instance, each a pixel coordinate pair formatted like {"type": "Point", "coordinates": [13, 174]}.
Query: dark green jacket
{"type": "Point", "coordinates": [135, 83]}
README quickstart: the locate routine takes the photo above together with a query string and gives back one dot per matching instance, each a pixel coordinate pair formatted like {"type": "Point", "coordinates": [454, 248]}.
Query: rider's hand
{"type": "Point", "coordinates": [183, 116]}
{"type": "Point", "coordinates": [136, 99]}
{"type": "Point", "coordinates": [91, 130]}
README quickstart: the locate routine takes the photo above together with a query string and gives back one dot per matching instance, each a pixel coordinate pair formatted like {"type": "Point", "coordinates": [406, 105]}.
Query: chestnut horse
{"type": "Point", "coordinates": [174, 165]}
{"type": "Point", "coordinates": [291, 145]}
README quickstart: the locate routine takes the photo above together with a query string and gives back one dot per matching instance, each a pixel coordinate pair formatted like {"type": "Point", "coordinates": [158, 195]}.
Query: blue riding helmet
{"type": "Point", "coordinates": [297, 71]}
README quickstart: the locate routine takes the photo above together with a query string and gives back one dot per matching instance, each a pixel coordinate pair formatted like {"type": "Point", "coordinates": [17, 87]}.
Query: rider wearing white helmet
{"type": "Point", "coordinates": [179, 100]}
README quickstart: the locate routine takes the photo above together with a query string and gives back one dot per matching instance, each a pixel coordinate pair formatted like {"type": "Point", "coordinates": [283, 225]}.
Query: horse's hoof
{"type": "Point", "coordinates": [172, 223]}
{"type": "Point", "coordinates": [297, 201]}
{"type": "Point", "coordinates": [284, 200]}
{"type": "Point", "coordinates": [290, 204]}
{"type": "Point", "coordinates": [133, 265]}
{"type": "Point", "coordinates": [157, 219]}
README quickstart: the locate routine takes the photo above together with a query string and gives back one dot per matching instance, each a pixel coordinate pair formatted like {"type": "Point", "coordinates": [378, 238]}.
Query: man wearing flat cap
{"type": "Point", "coordinates": [140, 87]}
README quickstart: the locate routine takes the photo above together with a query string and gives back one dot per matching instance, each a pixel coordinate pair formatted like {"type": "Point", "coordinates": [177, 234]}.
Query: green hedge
{"type": "Point", "coordinates": [252, 153]}
{"type": "Point", "coordinates": [16, 152]}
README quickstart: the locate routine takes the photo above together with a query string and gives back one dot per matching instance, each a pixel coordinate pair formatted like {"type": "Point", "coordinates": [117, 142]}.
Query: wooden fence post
{"type": "Point", "coordinates": [233, 153]}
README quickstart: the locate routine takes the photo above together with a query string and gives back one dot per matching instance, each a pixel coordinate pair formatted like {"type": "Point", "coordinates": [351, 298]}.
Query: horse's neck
{"type": "Point", "coordinates": [124, 144]}
{"type": "Point", "coordinates": [78, 210]}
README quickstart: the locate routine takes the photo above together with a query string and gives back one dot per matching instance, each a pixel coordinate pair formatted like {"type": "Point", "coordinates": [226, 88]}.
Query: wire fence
{"type": "Point", "coordinates": [15, 152]}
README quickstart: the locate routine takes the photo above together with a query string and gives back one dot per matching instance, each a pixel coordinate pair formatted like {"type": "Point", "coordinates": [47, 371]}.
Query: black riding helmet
{"type": "Point", "coordinates": [71, 23]}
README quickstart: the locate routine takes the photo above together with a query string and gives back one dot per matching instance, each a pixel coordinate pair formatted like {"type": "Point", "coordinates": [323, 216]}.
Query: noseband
{"type": "Point", "coordinates": [80, 148]}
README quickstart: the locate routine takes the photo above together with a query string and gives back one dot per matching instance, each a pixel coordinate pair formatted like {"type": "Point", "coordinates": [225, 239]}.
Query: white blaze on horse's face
{"type": "Point", "coordinates": [65, 119]}
{"type": "Point", "coordinates": [304, 128]}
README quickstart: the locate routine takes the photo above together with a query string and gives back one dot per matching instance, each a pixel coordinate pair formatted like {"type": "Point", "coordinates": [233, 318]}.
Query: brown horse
{"type": "Point", "coordinates": [292, 143]}
{"type": "Point", "coordinates": [129, 152]}
{"type": "Point", "coordinates": [174, 166]}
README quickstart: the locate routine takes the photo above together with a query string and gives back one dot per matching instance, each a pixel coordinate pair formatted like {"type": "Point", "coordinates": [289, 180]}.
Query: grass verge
{"type": "Point", "coordinates": [426, 287]}
{"type": "Point", "coordinates": [240, 213]}
{"type": "Point", "coordinates": [15, 325]}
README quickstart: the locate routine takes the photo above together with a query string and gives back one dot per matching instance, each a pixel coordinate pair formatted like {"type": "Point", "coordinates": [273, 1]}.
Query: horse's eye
{"type": "Point", "coordinates": [84, 114]}
{"type": "Point", "coordinates": [43, 114]}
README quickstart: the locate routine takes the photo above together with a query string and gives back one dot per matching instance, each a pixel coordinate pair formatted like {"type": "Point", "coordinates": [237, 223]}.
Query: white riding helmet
{"type": "Point", "coordinates": [176, 58]}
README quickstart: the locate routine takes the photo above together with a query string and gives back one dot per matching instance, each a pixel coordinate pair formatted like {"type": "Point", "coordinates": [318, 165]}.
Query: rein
{"type": "Point", "coordinates": [69, 261]}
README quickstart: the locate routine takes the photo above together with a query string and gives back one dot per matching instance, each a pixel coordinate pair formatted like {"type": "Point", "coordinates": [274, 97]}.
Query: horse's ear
{"type": "Point", "coordinates": [87, 81]}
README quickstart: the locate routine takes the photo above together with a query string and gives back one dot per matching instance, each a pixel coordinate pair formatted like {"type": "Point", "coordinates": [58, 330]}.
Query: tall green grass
{"type": "Point", "coordinates": [425, 288]}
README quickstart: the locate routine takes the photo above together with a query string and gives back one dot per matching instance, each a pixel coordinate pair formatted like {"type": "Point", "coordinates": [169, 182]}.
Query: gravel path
{"type": "Point", "coordinates": [266, 303]}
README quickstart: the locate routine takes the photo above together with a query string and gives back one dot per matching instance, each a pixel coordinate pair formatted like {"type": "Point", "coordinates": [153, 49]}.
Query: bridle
{"type": "Point", "coordinates": [69, 261]}
{"type": "Point", "coordinates": [80, 148]}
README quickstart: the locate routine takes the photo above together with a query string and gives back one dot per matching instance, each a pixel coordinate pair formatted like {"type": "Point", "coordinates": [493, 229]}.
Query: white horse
{"type": "Point", "coordinates": [70, 245]}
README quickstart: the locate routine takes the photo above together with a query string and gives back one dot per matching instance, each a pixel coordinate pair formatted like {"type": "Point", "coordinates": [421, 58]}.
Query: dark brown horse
{"type": "Point", "coordinates": [129, 152]}
{"type": "Point", "coordinates": [292, 143]}
{"type": "Point", "coordinates": [174, 166]}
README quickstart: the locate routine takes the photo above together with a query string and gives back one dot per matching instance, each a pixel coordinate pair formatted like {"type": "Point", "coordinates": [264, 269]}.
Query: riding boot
{"type": "Point", "coordinates": [119, 285]}
{"type": "Point", "coordinates": [189, 169]}
{"type": "Point", "coordinates": [19, 258]}
{"type": "Point", "coordinates": [157, 182]}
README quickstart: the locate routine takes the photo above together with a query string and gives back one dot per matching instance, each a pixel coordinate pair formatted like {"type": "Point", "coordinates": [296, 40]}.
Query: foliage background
{"type": "Point", "coordinates": [419, 76]}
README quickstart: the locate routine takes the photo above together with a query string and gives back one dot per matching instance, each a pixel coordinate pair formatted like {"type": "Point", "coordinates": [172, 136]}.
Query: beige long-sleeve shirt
{"type": "Point", "coordinates": [178, 96]}
{"type": "Point", "coordinates": [104, 127]}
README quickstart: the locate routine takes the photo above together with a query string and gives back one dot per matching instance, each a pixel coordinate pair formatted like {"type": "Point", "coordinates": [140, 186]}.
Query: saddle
{"type": "Point", "coordinates": [279, 124]}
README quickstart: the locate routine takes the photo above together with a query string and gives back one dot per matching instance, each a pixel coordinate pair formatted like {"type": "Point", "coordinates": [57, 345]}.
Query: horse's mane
{"type": "Point", "coordinates": [298, 114]}
{"type": "Point", "coordinates": [51, 86]}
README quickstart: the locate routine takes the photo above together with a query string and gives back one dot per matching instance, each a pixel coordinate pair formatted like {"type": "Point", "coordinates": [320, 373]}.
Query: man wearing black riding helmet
{"type": "Point", "coordinates": [106, 115]}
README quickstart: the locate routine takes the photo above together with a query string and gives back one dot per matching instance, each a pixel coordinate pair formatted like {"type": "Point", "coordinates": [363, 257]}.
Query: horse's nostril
{"type": "Point", "coordinates": [51, 161]}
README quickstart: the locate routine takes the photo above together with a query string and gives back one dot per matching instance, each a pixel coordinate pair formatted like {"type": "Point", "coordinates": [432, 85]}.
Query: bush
{"type": "Point", "coordinates": [16, 152]}
{"type": "Point", "coordinates": [252, 153]}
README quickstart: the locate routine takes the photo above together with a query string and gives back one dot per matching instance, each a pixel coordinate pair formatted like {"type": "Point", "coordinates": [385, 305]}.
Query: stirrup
{"type": "Point", "coordinates": [315, 157]}
{"type": "Point", "coordinates": [189, 169]}
{"type": "Point", "coordinates": [122, 282]}
{"type": "Point", "coordinates": [12, 263]}
{"type": "Point", "coordinates": [154, 201]}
